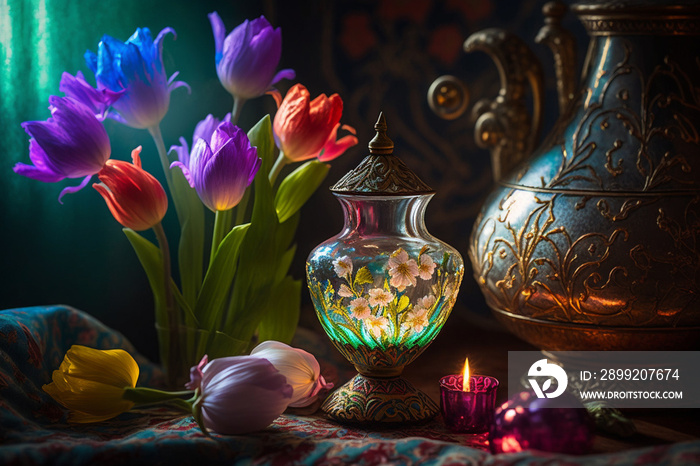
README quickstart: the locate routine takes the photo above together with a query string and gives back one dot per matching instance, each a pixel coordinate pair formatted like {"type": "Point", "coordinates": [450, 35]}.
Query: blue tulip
{"type": "Point", "coordinates": [135, 67]}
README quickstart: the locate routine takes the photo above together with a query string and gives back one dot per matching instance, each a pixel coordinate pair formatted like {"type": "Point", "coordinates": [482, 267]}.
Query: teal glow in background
{"type": "Point", "coordinates": [76, 253]}
{"type": "Point", "coordinates": [379, 55]}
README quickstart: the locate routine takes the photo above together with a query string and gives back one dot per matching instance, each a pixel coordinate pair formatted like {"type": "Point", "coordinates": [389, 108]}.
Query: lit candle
{"type": "Point", "coordinates": [465, 376]}
{"type": "Point", "coordinates": [468, 401]}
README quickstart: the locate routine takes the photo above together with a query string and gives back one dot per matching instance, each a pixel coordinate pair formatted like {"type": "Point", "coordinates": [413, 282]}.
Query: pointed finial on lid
{"type": "Point", "coordinates": [381, 173]}
{"type": "Point", "coordinates": [381, 144]}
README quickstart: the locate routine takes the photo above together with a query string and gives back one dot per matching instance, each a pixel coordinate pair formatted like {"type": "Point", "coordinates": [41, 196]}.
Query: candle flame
{"type": "Point", "coordinates": [465, 376]}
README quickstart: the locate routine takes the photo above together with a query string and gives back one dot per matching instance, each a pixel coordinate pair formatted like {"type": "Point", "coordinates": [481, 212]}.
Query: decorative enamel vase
{"type": "Point", "coordinates": [383, 287]}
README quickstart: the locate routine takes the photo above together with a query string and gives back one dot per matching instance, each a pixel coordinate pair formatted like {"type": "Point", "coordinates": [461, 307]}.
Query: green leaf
{"type": "Point", "coordinates": [217, 282]}
{"type": "Point", "coordinates": [298, 187]}
{"type": "Point", "coordinates": [263, 207]}
{"type": "Point", "coordinates": [284, 234]}
{"type": "Point", "coordinates": [363, 276]}
{"type": "Point", "coordinates": [445, 260]}
{"type": "Point", "coordinates": [190, 213]}
{"type": "Point", "coordinates": [250, 313]}
{"type": "Point", "coordinates": [284, 263]}
{"type": "Point", "coordinates": [184, 305]}
{"type": "Point", "coordinates": [260, 136]}
{"type": "Point", "coordinates": [263, 253]}
{"type": "Point", "coordinates": [151, 260]}
{"type": "Point", "coordinates": [281, 323]}
{"type": "Point", "coordinates": [259, 253]}
{"type": "Point", "coordinates": [223, 345]}
{"type": "Point", "coordinates": [262, 261]}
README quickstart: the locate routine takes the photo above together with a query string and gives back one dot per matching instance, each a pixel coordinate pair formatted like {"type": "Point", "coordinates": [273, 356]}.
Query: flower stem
{"type": "Point", "coordinates": [238, 103]}
{"type": "Point", "coordinates": [222, 225]}
{"type": "Point", "coordinates": [277, 168]}
{"type": "Point", "coordinates": [144, 395]}
{"type": "Point", "coordinates": [182, 404]}
{"type": "Point", "coordinates": [160, 145]}
{"type": "Point", "coordinates": [174, 359]}
{"type": "Point", "coordinates": [197, 415]}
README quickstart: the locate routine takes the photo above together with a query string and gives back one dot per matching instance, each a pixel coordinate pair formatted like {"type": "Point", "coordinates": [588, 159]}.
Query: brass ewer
{"type": "Point", "coordinates": [591, 238]}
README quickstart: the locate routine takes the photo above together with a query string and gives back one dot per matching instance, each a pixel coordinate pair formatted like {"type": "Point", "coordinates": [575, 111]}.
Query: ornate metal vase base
{"type": "Point", "coordinates": [385, 401]}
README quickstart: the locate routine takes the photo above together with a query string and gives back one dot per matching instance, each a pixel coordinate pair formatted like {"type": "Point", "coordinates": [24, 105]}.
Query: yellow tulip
{"type": "Point", "coordinates": [91, 383]}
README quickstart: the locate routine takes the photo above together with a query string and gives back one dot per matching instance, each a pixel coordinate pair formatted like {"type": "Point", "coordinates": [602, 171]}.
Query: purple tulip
{"type": "Point", "coordinates": [204, 130]}
{"type": "Point", "coordinates": [136, 68]}
{"type": "Point", "coordinates": [72, 143]}
{"type": "Point", "coordinates": [221, 171]}
{"type": "Point", "coordinates": [239, 394]}
{"type": "Point", "coordinates": [99, 100]}
{"type": "Point", "coordinates": [247, 58]}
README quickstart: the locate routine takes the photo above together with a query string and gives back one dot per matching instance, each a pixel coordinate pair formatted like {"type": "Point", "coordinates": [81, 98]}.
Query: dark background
{"type": "Point", "coordinates": [378, 55]}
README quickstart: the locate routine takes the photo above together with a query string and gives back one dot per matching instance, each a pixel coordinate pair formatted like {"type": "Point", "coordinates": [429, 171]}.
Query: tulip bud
{"type": "Point", "coordinates": [238, 394]}
{"type": "Point", "coordinates": [306, 129]}
{"type": "Point", "coordinates": [222, 170]}
{"type": "Point", "coordinates": [247, 58]}
{"type": "Point", "coordinates": [300, 368]}
{"type": "Point", "coordinates": [135, 68]}
{"type": "Point", "coordinates": [135, 198]}
{"type": "Point", "coordinates": [204, 130]}
{"type": "Point", "coordinates": [91, 383]}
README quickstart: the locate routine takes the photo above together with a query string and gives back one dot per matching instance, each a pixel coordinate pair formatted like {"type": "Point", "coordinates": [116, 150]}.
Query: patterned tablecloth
{"type": "Point", "coordinates": [33, 428]}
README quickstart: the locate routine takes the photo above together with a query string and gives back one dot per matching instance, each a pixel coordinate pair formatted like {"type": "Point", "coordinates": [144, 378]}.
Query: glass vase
{"type": "Point", "coordinates": [383, 288]}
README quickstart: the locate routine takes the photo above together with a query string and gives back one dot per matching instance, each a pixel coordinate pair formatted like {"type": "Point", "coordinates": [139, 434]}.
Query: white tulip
{"type": "Point", "coordinates": [300, 368]}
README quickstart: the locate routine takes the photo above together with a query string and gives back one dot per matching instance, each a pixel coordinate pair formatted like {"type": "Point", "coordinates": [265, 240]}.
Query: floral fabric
{"type": "Point", "coordinates": [33, 428]}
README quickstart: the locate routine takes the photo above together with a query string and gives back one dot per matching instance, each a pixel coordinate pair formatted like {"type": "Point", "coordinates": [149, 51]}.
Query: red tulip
{"type": "Point", "coordinates": [305, 129]}
{"type": "Point", "coordinates": [135, 198]}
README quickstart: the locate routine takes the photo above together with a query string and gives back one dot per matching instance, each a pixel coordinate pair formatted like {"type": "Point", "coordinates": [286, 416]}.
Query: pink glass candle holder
{"type": "Point", "coordinates": [468, 411]}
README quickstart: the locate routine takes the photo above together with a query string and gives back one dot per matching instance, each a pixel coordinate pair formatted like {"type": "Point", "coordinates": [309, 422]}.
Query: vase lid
{"type": "Point", "coordinates": [381, 173]}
